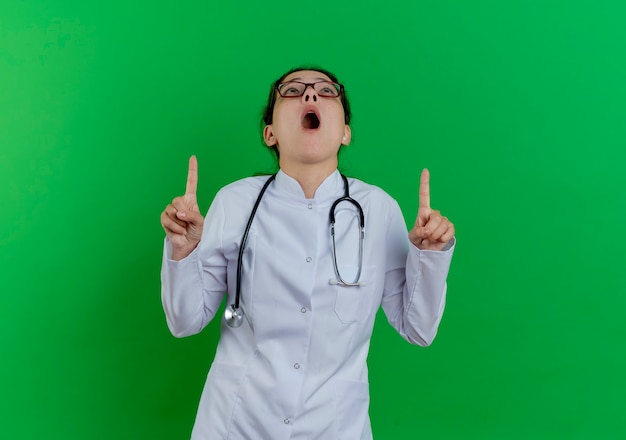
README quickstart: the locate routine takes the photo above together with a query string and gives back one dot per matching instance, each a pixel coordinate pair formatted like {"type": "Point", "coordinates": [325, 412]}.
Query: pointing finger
{"type": "Point", "coordinates": [192, 180]}
{"type": "Point", "coordinates": [425, 190]}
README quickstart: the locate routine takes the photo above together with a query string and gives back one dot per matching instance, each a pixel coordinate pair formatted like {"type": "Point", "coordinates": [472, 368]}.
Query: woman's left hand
{"type": "Point", "coordinates": [431, 231]}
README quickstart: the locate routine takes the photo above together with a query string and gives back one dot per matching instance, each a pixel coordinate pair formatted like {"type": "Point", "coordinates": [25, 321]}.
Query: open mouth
{"type": "Point", "coordinates": [310, 121]}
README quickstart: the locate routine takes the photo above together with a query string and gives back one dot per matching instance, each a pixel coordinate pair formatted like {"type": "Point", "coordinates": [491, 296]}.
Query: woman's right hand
{"type": "Point", "coordinates": [182, 220]}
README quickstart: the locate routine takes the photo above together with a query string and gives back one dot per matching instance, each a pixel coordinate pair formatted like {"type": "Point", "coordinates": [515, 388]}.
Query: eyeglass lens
{"type": "Point", "coordinates": [295, 88]}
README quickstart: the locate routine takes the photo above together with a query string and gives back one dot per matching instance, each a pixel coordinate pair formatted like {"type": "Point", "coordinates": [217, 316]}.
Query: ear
{"type": "Point", "coordinates": [268, 136]}
{"type": "Point", "coordinates": [347, 136]}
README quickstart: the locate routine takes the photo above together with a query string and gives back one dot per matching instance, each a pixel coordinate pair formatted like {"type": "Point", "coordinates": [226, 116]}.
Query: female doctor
{"type": "Point", "coordinates": [301, 303]}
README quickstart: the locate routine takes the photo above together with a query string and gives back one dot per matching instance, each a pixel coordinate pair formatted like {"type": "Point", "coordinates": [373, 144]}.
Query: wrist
{"type": "Point", "coordinates": [179, 253]}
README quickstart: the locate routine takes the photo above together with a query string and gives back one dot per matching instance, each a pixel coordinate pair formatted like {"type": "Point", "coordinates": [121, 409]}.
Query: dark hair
{"type": "Point", "coordinates": [268, 113]}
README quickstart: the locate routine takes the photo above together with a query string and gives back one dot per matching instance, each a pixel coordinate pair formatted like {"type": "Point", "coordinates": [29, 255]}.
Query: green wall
{"type": "Point", "coordinates": [517, 107]}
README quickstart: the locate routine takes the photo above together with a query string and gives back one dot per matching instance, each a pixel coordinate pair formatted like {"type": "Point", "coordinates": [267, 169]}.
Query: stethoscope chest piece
{"type": "Point", "coordinates": [233, 316]}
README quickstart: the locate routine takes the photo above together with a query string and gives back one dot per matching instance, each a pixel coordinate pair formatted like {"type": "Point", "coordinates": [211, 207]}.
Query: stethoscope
{"type": "Point", "coordinates": [234, 314]}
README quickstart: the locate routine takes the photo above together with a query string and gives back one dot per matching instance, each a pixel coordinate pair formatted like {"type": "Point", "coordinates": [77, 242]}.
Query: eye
{"type": "Point", "coordinates": [327, 89]}
{"type": "Point", "coordinates": [291, 89]}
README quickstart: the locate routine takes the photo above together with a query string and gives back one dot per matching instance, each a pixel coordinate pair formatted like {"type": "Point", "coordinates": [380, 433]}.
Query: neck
{"type": "Point", "coordinates": [309, 177]}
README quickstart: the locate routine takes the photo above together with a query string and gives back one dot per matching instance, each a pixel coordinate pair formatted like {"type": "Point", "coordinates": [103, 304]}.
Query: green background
{"type": "Point", "coordinates": [517, 108]}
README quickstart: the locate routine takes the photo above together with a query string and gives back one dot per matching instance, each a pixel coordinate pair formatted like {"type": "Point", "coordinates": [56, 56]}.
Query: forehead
{"type": "Point", "coordinates": [306, 76]}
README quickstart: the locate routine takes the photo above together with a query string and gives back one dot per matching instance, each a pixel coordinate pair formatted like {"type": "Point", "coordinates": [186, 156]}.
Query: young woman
{"type": "Point", "coordinates": [291, 360]}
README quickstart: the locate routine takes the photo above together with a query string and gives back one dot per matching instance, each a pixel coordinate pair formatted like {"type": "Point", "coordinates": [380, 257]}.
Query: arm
{"type": "Point", "coordinates": [415, 289]}
{"type": "Point", "coordinates": [193, 271]}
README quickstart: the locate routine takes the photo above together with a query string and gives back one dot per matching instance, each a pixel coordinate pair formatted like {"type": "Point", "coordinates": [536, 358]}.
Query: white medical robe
{"type": "Point", "coordinates": [296, 368]}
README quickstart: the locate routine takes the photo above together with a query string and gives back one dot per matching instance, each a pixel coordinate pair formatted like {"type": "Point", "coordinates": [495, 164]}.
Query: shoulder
{"type": "Point", "coordinates": [235, 199]}
{"type": "Point", "coordinates": [248, 186]}
{"type": "Point", "coordinates": [239, 194]}
{"type": "Point", "coordinates": [374, 194]}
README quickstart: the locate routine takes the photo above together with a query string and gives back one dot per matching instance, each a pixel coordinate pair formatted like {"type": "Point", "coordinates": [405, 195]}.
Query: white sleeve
{"type": "Point", "coordinates": [415, 292]}
{"type": "Point", "coordinates": [192, 289]}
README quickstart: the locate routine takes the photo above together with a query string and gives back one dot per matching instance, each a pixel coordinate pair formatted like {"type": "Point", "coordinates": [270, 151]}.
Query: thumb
{"type": "Point", "coordinates": [192, 216]}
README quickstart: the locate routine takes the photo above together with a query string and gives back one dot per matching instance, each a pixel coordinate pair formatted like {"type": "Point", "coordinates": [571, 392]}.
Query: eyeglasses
{"type": "Point", "coordinates": [295, 89]}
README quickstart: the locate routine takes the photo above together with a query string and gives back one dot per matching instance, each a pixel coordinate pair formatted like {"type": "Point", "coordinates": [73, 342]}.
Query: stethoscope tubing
{"type": "Point", "coordinates": [346, 198]}
{"type": "Point", "coordinates": [233, 314]}
{"type": "Point", "coordinates": [244, 239]}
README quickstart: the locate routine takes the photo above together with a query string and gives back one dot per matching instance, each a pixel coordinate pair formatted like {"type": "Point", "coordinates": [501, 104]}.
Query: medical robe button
{"type": "Point", "coordinates": [310, 206]}
{"type": "Point", "coordinates": [309, 259]}
{"type": "Point", "coordinates": [296, 366]}
{"type": "Point", "coordinates": [303, 309]}
{"type": "Point", "coordinates": [286, 421]}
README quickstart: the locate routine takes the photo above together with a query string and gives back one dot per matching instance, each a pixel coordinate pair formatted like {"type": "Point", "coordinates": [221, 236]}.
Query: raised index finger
{"type": "Point", "coordinates": [425, 189]}
{"type": "Point", "coordinates": [192, 179]}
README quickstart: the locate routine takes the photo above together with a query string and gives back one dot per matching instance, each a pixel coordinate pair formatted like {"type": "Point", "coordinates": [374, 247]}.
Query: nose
{"type": "Point", "coordinates": [310, 95]}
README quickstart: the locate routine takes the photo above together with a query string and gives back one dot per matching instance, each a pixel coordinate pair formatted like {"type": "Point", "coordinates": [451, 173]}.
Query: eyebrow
{"type": "Point", "coordinates": [300, 79]}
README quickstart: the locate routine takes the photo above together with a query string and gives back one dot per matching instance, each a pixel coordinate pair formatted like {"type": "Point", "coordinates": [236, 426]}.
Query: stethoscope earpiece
{"type": "Point", "coordinates": [233, 316]}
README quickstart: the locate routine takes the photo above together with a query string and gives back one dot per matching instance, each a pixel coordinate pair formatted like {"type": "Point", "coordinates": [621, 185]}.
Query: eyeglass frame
{"type": "Point", "coordinates": [306, 85]}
